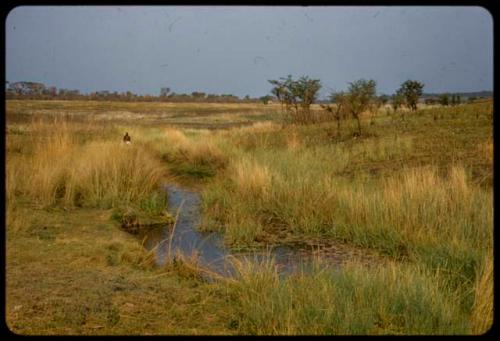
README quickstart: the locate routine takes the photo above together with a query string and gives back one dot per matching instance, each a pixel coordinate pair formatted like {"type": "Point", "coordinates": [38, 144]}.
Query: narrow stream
{"type": "Point", "coordinates": [185, 238]}
{"type": "Point", "coordinates": [208, 246]}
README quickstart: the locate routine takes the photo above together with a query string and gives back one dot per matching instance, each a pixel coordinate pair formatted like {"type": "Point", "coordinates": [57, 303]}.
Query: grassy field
{"type": "Point", "coordinates": [197, 115]}
{"type": "Point", "coordinates": [416, 191]}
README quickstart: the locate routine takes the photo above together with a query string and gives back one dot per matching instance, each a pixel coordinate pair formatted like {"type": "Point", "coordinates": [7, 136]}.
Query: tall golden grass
{"type": "Point", "coordinates": [429, 212]}
{"type": "Point", "coordinates": [431, 216]}
{"type": "Point", "coordinates": [396, 299]}
{"type": "Point", "coordinates": [482, 310]}
{"type": "Point", "coordinates": [417, 205]}
{"type": "Point", "coordinates": [98, 173]}
{"type": "Point", "coordinates": [252, 179]}
{"type": "Point", "coordinates": [175, 147]}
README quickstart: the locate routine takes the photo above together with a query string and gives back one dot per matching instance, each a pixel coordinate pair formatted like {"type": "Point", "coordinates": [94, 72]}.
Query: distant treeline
{"type": "Point", "coordinates": [38, 91]}
{"type": "Point", "coordinates": [477, 94]}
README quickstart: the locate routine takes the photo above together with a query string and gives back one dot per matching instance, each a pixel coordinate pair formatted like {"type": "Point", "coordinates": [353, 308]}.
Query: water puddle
{"type": "Point", "coordinates": [185, 238]}
{"type": "Point", "coordinates": [210, 251]}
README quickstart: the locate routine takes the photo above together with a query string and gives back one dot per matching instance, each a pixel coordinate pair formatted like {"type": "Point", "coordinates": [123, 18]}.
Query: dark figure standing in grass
{"type": "Point", "coordinates": [126, 138]}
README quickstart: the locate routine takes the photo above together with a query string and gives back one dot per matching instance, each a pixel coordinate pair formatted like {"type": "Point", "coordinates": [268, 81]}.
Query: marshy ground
{"type": "Point", "coordinates": [416, 193]}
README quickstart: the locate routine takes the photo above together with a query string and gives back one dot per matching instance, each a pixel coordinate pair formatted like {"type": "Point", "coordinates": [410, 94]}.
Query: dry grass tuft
{"type": "Point", "coordinates": [176, 137]}
{"type": "Point", "coordinates": [61, 169]}
{"type": "Point", "coordinates": [251, 178]}
{"type": "Point", "coordinates": [482, 311]}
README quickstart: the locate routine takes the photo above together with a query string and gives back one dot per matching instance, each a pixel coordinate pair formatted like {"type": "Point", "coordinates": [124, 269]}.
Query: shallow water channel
{"type": "Point", "coordinates": [208, 246]}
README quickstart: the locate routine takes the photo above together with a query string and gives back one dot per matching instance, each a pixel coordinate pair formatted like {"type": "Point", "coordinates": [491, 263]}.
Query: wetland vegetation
{"type": "Point", "coordinates": [415, 194]}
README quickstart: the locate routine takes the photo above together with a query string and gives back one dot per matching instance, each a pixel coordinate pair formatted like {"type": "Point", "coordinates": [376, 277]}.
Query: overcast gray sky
{"type": "Point", "coordinates": [237, 49]}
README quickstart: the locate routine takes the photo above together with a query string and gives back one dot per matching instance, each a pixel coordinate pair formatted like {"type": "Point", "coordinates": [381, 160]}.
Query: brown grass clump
{"type": "Point", "coordinates": [96, 173]}
{"type": "Point", "coordinates": [201, 154]}
{"type": "Point", "coordinates": [176, 137]}
{"type": "Point", "coordinates": [293, 140]}
{"type": "Point", "coordinates": [112, 172]}
{"type": "Point", "coordinates": [482, 311]}
{"type": "Point", "coordinates": [251, 178]}
{"type": "Point", "coordinates": [485, 149]}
